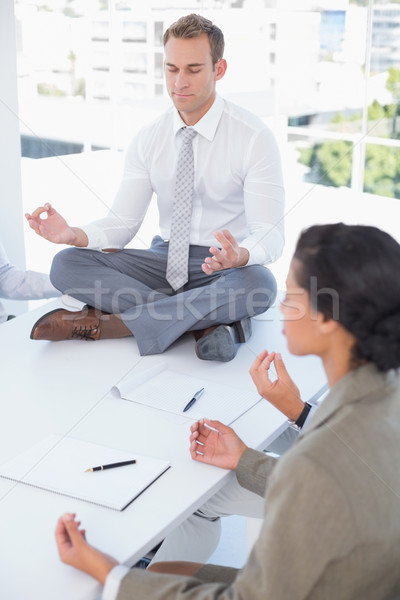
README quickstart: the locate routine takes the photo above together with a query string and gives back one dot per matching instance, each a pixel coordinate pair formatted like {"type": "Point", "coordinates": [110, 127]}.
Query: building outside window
{"type": "Point", "coordinates": [332, 74]}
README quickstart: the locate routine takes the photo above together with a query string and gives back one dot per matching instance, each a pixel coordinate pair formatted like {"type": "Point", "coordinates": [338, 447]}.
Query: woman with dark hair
{"type": "Point", "coordinates": [331, 524]}
{"type": "Point", "coordinates": [361, 264]}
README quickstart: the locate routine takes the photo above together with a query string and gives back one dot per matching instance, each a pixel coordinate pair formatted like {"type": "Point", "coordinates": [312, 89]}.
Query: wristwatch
{"type": "Point", "coordinates": [298, 424]}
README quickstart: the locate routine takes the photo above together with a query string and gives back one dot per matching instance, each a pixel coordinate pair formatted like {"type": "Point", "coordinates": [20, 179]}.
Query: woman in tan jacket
{"type": "Point", "coordinates": [332, 503]}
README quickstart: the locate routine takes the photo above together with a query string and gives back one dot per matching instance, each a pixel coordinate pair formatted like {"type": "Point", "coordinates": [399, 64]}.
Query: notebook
{"type": "Point", "coordinates": [168, 390]}
{"type": "Point", "coordinates": [57, 464]}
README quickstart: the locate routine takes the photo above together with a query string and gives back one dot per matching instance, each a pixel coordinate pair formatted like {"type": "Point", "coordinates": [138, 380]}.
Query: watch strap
{"type": "Point", "coordinates": [303, 416]}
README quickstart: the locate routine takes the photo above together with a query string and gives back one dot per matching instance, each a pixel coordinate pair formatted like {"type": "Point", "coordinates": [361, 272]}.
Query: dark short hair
{"type": "Point", "coordinates": [362, 264]}
{"type": "Point", "coordinates": [191, 26]}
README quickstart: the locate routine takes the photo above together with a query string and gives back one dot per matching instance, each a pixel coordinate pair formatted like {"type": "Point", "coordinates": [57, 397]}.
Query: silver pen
{"type": "Point", "coordinates": [193, 400]}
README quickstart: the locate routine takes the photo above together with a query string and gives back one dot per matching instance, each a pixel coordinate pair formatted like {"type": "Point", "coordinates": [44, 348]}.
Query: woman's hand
{"type": "Point", "coordinates": [283, 393]}
{"type": "Point", "coordinates": [216, 444]}
{"type": "Point", "coordinates": [76, 552]}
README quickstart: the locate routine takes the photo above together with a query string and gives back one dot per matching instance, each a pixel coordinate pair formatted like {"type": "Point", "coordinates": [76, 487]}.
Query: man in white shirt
{"type": "Point", "coordinates": [236, 221]}
{"type": "Point", "coordinates": [16, 284]}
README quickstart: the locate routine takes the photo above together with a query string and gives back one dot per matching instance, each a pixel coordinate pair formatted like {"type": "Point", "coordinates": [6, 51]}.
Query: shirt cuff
{"type": "Point", "coordinates": [257, 256]}
{"type": "Point", "coordinates": [113, 581]}
{"type": "Point", "coordinates": [265, 246]}
{"type": "Point", "coordinates": [97, 239]}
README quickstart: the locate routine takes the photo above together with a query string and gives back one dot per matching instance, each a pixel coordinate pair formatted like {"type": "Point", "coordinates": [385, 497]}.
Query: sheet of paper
{"type": "Point", "coordinates": [164, 389]}
{"type": "Point", "coordinates": [58, 464]}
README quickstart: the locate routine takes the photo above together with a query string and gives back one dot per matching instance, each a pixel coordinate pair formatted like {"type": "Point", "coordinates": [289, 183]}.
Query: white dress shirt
{"type": "Point", "coordinates": [238, 183]}
{"type": "Point", "coordinates": [16, 284]}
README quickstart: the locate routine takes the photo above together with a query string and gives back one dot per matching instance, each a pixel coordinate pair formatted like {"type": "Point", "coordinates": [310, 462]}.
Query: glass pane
{"type": "Point", "coordinates": [384, 81]}
{"type": "Point", "coordinates": [322, 84]}
{"type": "Point", "coordinates": [106, 58]}
{"type": "Point", "coordinates": [51, 55]}
{"type": "Point", "coordinates": [158, 33]}
{"type": "Point", "coordinates": [134, 31]}
{"type": "Point", "coordinates": [325, 162]}
{"type": "Point", "coordinates": [382, 170]}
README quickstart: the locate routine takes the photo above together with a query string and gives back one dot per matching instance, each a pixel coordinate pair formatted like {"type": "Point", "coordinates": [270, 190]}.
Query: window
{"type": "Point", "coordinates": [159, 65]}
{"type": "Point", "coordinates": [158, 33]}
{"type": "Point", "coordinates": [332, 73]}
{"type": "Point", "coordinates": [133, 31]}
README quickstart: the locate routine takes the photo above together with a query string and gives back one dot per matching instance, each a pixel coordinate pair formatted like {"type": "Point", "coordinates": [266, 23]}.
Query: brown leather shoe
{"type": "Point", "coordinates": [221, 342]}
{"type": "Point", "coordinates": [60, 324]}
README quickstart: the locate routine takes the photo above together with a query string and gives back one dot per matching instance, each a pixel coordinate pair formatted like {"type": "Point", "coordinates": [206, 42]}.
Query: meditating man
{"type": "Point", "coordinates": [215, 169]}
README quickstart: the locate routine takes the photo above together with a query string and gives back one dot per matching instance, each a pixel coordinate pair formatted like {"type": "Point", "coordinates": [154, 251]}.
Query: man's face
{"type": "Point", "coordinates": [190, 76]}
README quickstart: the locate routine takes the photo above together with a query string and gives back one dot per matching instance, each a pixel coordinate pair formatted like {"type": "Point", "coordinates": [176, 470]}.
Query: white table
{"type": "Point", "coordinates": [65, 388]}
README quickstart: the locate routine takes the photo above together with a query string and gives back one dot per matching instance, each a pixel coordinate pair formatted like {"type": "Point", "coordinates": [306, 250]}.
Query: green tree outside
{"type": "Point", "coordinates": [330, 163]}
{"type": "Point", "coordinates": [382, 171]}
{"type": "Point", "coordinates": [393, 85]}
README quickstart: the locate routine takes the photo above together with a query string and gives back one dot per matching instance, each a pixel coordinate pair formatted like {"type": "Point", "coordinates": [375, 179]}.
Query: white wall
{"type": "Point", "coordinates": [11, 221]}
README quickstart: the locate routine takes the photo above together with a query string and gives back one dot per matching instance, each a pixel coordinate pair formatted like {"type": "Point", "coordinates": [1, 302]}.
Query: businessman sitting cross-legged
{"type": "Point", "coordinates": [215, 170]}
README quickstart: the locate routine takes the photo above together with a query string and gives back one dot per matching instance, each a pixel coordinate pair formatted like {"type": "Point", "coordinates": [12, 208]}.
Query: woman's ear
{"type": "Point", "coordinates": [328, 326]}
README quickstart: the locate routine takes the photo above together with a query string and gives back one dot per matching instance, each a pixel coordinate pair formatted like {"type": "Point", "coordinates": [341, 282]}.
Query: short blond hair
{"type": "Point", "coordinates": [191, 26]}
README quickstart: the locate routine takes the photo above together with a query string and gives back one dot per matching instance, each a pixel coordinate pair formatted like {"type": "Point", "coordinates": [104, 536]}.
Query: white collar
{"type": "Point", "coordinates": [208, 124]}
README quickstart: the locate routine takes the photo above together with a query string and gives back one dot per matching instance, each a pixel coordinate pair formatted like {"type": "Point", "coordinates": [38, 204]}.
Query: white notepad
{"type": "Point", "coordinates": [165, 389]}
{"type": "Point", "coordinates": [57, 464]}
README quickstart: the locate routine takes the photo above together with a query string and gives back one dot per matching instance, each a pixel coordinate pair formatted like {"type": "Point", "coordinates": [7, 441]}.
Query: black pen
{"type": "Point", "coordinates": [193, 400]}
{"type": "Point", "coordinates": [112, 465]}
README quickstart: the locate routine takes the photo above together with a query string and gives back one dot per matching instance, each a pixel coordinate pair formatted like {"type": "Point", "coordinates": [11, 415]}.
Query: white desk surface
{"type": "Point", "coordinates": [65, 388]}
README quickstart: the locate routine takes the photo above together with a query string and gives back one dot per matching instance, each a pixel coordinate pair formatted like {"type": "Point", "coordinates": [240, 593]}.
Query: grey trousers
{"type": "Point", "coordinates": [132, 283]}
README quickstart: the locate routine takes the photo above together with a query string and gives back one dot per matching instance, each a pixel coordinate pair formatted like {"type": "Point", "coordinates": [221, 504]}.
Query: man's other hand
{"type": "Point", "coordinates": [230, 254]}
